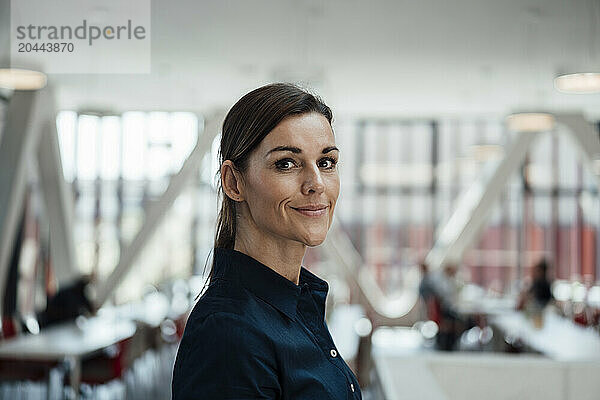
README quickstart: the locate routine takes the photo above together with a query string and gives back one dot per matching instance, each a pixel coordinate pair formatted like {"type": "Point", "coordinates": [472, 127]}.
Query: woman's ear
{"type": "Point", "coordinates": [231, 180]}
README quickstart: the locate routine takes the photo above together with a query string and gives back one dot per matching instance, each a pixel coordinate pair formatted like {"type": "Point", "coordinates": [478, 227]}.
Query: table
{"type": "Point", "coordinates": [69, 342]}
{"type": "Point", "coordinates": [559, 338]}
{"type": "Point", "coordinates": [408, 371]}
{"type": "Point", "coordinates": [488, 306]}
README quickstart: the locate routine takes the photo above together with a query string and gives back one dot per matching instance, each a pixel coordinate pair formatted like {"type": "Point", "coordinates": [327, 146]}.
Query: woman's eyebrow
{"type": "Point", "coordinates": [284, 148]}
{"type": "Point", "coordinates": [297, 150]}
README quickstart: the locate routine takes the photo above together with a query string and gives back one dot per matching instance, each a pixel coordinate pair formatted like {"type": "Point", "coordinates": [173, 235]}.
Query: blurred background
{"type": "Point", "coordinates": [463, 259]}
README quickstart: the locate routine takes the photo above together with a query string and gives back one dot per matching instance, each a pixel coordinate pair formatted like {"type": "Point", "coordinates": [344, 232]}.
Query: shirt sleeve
{"type": "Point", "coordinates": [225, 357]}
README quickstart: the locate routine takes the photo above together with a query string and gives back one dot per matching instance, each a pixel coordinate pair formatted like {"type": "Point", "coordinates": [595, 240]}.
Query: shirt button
{"type": "Point", "coordinates": [352, 387]}
{"type": "Point", "coordinates": [333, 353]}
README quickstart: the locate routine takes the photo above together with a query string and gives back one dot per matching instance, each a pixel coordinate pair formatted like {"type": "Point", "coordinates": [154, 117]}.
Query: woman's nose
{"type": "Point", "coordinates": [313, 182]}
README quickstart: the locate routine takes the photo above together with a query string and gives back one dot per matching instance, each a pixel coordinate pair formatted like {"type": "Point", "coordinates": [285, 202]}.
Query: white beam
{"type": "Point", "coordinates": [476, 203]}
{"type": "Point", "coordinates": [383, 309]}
{"type": "Point", "coordinates": [17, 143]}
{"type": "Point", "coordinates": [586, 138]}
{"type": "Point", "coordinates": [58, 198]}
{"type": "Point", "coordinates": [158, 210]}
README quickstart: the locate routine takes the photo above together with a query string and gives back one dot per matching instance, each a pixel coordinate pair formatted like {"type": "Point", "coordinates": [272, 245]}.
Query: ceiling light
{"type": "Point", "coordinates": [21, 79]}
{"type": "Point", "coordinates": [588, 82]}
{"type": "Point", "coordinates": [530, 122]}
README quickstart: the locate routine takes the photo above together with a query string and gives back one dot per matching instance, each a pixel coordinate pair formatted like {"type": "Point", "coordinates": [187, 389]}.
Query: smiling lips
{"type": "Point", "coordinates": [312, 210]}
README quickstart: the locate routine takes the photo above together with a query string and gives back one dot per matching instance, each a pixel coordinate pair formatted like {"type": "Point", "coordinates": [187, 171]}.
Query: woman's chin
{"type": "Point", "coordinates": [315, 240]}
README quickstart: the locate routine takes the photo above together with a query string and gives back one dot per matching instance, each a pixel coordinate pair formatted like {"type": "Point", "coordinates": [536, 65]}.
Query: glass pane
{"type": "Point", "coordinates": [134, 146]}
{"type": "Point", "coordinates": [66, 123]}
{"type": "Point", "coordinates": [87, 147]}
{"type": "Point", "coordinates": [110, 164]}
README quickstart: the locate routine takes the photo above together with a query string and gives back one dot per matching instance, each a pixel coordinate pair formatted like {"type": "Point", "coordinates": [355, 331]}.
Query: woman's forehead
{"type": "Point", "coordinates": [305, 131]}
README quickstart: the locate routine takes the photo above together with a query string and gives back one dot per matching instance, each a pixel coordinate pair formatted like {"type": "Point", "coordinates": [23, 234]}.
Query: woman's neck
{"type": "Point", "coordinates": [283, 256]}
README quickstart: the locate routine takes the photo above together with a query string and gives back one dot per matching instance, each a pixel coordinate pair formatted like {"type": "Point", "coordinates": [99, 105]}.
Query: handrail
{"type": "Point", "coordinates": [382, 309]}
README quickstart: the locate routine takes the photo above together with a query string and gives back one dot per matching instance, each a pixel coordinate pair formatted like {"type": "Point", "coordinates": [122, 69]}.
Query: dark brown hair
{"type": "Point", "coordinates": [247, 123]}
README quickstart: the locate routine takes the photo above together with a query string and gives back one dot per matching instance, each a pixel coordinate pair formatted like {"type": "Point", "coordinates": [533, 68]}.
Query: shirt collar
{"type": "Point", "coordinates": [264, 282]}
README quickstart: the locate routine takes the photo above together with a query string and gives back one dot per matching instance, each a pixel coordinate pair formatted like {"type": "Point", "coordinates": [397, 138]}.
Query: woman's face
{"type": "Point", "coordinates": [292, 183]}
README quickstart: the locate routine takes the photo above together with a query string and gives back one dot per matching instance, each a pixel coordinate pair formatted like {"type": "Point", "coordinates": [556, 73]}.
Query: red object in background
{"type": "Point", "coordinates": [180, 324]}
{"type": "Point", "coordinates": [590, 316]}
{"type": "Point", "coordinates": [119, 363]}
{"type": "Point", "coordinates": [105, 367]}
{"type": "Point", "coordinates": [588, 250]}
{"type": "Point", "coordinates": [434, 310]}
{"type": "Point", "coordinates": [9, 327]}
{"type": "Point", "coordinates": [581, 319]}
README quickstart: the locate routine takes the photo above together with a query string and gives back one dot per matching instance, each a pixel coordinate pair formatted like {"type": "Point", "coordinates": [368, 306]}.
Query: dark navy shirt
{"type": "Point", "coordinates": [256, 335]}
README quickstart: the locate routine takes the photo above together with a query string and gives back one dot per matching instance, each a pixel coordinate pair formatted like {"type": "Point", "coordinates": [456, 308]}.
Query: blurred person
{"type": "Point", "coordinates": [447, 287]}
{"type": "Point", "coordinates": [446, 290]}
{"type": "Point", "coordinates": [425, 286]}
{"type": "Point", "coordinates": [538, 292]}
{"type": "Point", "coordinates": [259, 330]}
{"type": "Point", "coordinates": [68, 303]}
{"type": "Point", "coordinates": [439, 290]}
{"type": "Point", "coordinates": [536, 295]}
{"type": "Point", "coordinates": [428, 294]}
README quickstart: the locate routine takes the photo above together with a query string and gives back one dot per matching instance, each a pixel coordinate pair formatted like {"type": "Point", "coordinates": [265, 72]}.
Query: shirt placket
{"type": "Point", "coordinates": [314, 321]}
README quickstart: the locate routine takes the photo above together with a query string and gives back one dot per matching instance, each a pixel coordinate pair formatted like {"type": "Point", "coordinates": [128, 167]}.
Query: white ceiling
{"type": "Point", "coordinates": [375, 58]}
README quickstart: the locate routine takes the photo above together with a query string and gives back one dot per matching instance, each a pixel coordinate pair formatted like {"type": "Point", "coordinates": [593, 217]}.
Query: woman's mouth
{"type": "Point", "coordinates": [312, 211]}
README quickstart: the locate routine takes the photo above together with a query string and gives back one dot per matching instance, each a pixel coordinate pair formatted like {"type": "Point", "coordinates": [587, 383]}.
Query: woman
{"type": "Point", "coordinates": [259, 332]}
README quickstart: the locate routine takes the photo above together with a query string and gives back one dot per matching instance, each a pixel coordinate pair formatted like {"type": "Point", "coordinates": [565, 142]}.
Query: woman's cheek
{"type": "Point", "coordinates": [334, 187]}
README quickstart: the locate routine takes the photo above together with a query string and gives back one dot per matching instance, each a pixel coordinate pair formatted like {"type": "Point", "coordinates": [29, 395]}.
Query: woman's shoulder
{"type": "Point", "coordinates": [227, 300]}
{"type": "Point", "coordinates": [223, 347]}
{"type": "Point", "coordinates": [221, 296]}
{"type": "Point", "coordinates": [225, 315]}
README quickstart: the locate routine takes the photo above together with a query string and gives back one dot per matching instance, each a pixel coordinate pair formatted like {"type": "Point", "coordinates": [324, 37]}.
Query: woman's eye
{"type": "Point", "coordinates": [328, 163]}
{"type": "Point", "coordinates": [285, 164]}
